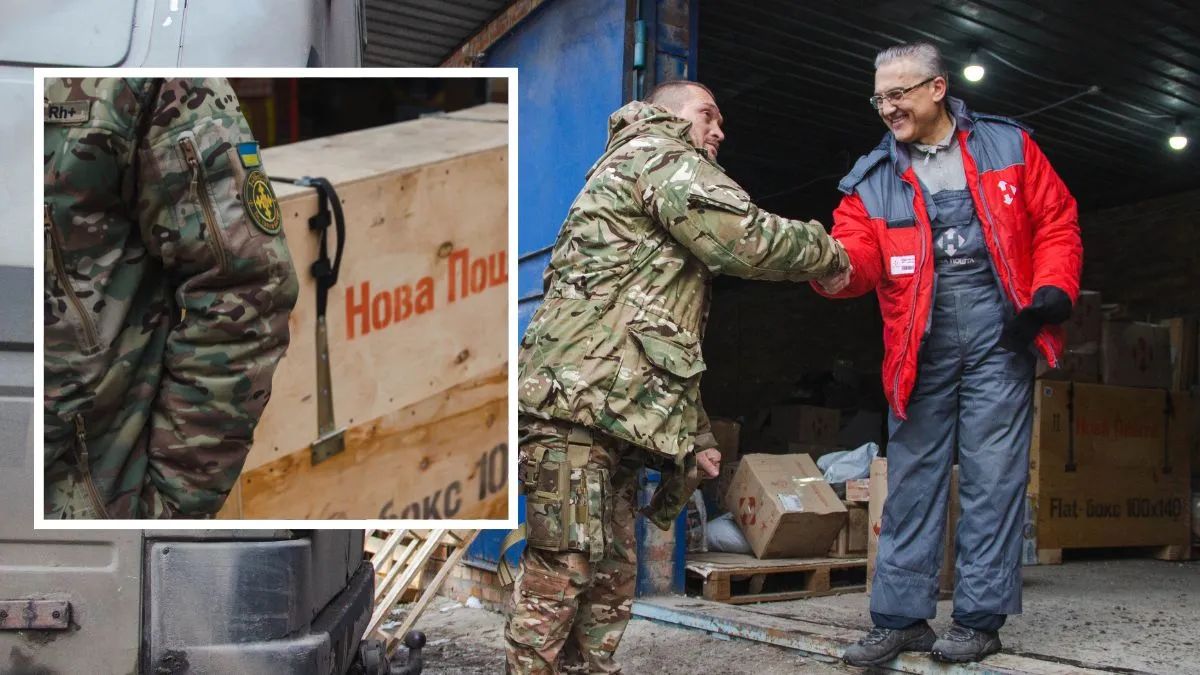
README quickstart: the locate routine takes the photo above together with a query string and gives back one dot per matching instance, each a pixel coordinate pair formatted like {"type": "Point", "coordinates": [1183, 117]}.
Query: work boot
{"type": "Point", "coordinates": [881, 645]}
{"type": "Point", "coordinates": [961, 644]}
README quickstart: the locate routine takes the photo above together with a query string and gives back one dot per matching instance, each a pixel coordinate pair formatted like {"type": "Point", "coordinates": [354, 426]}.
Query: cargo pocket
{"type": "Point", "coordinates": [676, 355]}
{"type": "Point", "coordinates": [589, 530]}
{"type": "Point", "coordinates": [545, 504]}
{"type": "Point", "coordinates": [533, 622]}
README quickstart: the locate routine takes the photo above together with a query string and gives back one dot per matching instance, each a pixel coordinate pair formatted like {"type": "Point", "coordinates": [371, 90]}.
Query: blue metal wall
{"type": "Point", "coordinates": [574, 64]}
{"type": "Point", "coordinates": [571, 60]}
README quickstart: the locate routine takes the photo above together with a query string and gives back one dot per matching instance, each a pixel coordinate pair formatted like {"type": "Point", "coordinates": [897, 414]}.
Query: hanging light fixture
{"type": "Point", "coordinates": [973, 71]}
{"type": "Point", "coordinates": [1178, 141]}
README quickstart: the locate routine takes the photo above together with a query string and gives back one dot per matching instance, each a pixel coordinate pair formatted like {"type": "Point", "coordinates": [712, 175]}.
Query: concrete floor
{"type": "Point", "coordinates": [1121, 614]}
{"type": "Point", "coordinates": [466, 641]}
{"type": "Point", "coordinates": [1117, 615]}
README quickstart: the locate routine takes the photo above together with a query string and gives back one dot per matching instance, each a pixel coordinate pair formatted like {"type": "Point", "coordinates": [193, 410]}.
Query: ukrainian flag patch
{"type": "Point", "coordinates": [248, 153]}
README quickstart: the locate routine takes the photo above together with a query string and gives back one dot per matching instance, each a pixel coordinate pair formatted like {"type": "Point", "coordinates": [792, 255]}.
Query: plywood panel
{"type": "Point", "coordinates": [421, 302]}
{"type": "Point", "coordinates": [445, 457]}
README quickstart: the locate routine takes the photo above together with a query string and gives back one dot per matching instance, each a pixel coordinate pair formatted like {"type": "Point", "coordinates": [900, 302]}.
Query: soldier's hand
{"type": "Point", "coordinates": [709, 462]}
{"type": "Point", "coordinates": [837, 283]}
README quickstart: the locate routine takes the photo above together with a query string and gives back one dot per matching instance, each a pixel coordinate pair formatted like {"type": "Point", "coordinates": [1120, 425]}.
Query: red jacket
{"type": "Point", "coordinates": [1029, 222]}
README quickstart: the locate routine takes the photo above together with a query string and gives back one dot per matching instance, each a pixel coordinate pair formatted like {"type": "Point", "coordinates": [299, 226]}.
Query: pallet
{"type": "Point", "coordinates": [401, 559]}
{"type": "Point", "coordinates": [1054, 556]}
{"type": "Point", "coordinates": [734, 578]}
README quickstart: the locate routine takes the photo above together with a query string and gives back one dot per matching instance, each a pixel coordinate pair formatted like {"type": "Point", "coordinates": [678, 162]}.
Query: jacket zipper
{"type": "Point", "coordinates": [1012, 294]}
{"type": "Point", "coordinates": [199, 189]}
{"type": "Point", "coordinates": [912, 314]}
{"type": "Point", "coordinates": [81, 451]}
{"type": "Point", "coordinates": [91, 337]}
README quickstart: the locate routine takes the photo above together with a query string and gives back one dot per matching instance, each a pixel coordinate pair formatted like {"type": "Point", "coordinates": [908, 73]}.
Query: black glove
{"type": "Point", "coordinates": [1050, 305]}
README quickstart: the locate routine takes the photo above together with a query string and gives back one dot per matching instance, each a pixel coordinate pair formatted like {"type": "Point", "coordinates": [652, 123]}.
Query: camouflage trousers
{"type": "Point", "coordinates": [568, 611]}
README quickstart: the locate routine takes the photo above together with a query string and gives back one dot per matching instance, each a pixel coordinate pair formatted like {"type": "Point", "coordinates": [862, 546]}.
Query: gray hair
{"type": "Point", "coordinates": [925, 55]}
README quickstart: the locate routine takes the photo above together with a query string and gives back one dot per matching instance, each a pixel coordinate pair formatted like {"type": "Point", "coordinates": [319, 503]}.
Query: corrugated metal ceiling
{"type": "Point", "coordinates": [422, 33]}
{"type": "Point", "coordinates": [792, 80]}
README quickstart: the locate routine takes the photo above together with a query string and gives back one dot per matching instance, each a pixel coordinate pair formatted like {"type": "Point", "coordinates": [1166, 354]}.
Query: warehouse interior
{"type": "Point", "coordinates": [1104, 92]}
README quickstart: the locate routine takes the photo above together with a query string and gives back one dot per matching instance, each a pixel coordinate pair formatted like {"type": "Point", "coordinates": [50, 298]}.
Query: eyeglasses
{"type": "Point", "coordinates": [893, 96]}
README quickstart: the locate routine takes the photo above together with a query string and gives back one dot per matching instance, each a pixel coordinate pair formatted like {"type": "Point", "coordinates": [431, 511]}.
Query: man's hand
{"type": "Point", "coordinates": [837, 283]}
{"type": "Point", "coordinates": [709, 462]}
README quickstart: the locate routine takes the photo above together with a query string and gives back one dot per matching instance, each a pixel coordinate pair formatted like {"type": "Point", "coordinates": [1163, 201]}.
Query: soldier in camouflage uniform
{"type": "Point", "coordinates": [168, 286]}
{"type": "Point", "coordinates": [609, 368]}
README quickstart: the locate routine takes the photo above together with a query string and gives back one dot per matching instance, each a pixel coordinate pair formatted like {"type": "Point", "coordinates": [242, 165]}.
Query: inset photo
{"type": "Point", "coordinates": [275, 297]}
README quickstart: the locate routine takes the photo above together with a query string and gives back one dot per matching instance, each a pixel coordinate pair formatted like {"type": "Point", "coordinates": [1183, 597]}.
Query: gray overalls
{"type": "Point", "coordinates": [974, 399]}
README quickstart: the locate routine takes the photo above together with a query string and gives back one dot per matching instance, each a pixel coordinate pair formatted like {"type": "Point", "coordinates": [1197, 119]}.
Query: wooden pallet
{"type": "Point", "coordinates": [1054, 556]}
{"type": "Point", "coordinates": [400, 558]}
{"type": "Point", "coordinates": [738, 579]}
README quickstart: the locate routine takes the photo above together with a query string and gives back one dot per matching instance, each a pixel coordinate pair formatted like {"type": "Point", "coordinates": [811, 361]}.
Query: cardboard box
{"type": "Point", "coordinates": [851, 541]}
{"type": "Point", "coordinates": [879, 490]}
{"type": "Point", "coordinates": [1084, 326]}
{"type": "Point", "coordinates": [784, 507]}
{"type": "Point", "coordinates": [858, 490]}
{"type": "Point", "coordinates": [1135, 354]}
{"type": "Point", "coordinates": [1079, 363]}
{"type": "Point", "coordinates": [1109, 467]}
{"type": "Point", "coordinates": [728, 433]}
{"type": "Point", "coordinates": [1183, 333]}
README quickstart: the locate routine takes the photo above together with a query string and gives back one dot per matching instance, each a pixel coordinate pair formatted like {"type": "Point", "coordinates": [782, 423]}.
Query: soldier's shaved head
{"type": "Point", "coordinates": [674, 94]}
{"type": "Point", "coordinates": [695, 103]}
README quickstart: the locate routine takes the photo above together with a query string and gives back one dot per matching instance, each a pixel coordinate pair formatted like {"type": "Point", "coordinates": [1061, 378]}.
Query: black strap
{"type": "Point", "coordinates": [329, 210]}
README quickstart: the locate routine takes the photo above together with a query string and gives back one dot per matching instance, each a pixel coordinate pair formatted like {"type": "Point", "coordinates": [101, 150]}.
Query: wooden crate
{"type": "Point", "coordinates": [738, 579]}
{"type": "Point", "coordinates": [418, 329]}
{"type": "Point", "coordinates": [878, 494]}
{"type": "Point", "coordinates": [1109, 468]}
{"type": "Point", "coordinates": [851, 541]}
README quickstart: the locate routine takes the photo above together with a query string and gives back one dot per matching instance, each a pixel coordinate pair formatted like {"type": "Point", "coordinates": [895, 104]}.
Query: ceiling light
{"type": "Point", "coordinates": [1178, 141]}
{"type": "Point", "coordinates": [974, 71]}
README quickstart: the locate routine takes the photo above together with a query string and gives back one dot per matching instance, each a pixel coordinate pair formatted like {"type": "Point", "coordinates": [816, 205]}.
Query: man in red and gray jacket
{"type": "Point", "coordinates": [971, 241]}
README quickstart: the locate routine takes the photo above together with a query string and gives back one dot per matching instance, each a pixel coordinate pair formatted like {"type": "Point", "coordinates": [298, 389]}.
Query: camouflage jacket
{"type": "Point", "coordinates": [168, 286]}
{"type": "Point", "coordinates": [615, 345]}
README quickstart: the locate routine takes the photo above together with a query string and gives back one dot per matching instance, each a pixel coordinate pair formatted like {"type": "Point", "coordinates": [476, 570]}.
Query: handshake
{"type": "Point", "coordinates": [836, 283]}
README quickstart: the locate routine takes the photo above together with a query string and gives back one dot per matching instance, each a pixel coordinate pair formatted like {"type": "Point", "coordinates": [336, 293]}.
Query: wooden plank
{"type": "Point", "coordinates": [707, 563]}
{"type": "Point", "coordinates": [446, 457]}
{"type": "Point", "coordinates": [382, 558]}
{"type": "Point", "coordinates": [397, 568]}
{"type": "Point", "coordinates": [411, 570]}
{"type": "Point", "coordinates": [420, 310]}
{"type": "Point", "coordinates": [414, 613]}
{"type": "Point", "coordinates": [781, 596]}
{"type": "Point", "coordinates": [805, 578]}
{"type": "Point", "coordinates": [1098, 473]}
{"type": "Point", "coordinates": [401, 327]}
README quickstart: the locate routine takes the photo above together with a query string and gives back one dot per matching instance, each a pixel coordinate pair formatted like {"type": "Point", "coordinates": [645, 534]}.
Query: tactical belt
{"type": "Point", "coordinates": [330, 439]}
{"type": "Point", "coordinates": [579, 449]}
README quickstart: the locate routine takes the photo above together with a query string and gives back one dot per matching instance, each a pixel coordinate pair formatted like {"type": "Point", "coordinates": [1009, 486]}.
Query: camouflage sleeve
{"type": "Point", "coordinates": [704, 435]}
{"type": "Point", "coordinates": [207, 211]}
{"type": "Point", "coordinates": [713, 216]}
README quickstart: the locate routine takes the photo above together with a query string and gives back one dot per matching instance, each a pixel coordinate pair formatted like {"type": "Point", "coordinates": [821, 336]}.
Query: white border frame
{"type": "Point", "coordinates": [40, 523]}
